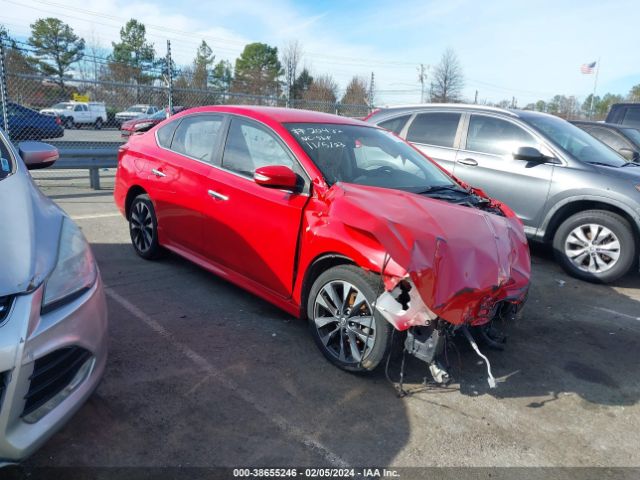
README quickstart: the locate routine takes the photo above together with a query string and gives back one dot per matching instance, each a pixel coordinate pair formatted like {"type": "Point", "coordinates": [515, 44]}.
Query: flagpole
{"type": "Point", "coordinates": [595, 85]}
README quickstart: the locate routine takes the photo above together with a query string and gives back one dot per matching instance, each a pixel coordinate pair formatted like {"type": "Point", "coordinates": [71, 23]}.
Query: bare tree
{"type": "Point", "coordinates": [291, 56]}
{"type": "Point", "coordinates": [447, 80]}
{"type": "Point", "coordinates": [322, 94]}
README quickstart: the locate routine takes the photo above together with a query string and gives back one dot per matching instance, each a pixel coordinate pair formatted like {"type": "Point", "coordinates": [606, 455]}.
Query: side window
{"type": "Point", "coordinates": [165, 134]}
{"type": "Point", "coordinates": [395, 125]}
{"type": "Point", "coordinates": [632, 117]}
{"type": "Point", "coordinates": [438, 128]}
{"type": "Point", "coordinates": [495, 136]}
{"type": "Point", "coordinates": [196, 136]}
{"type": "Point", "coordinates": [249, 147]}
{"type": "Point", "coordinates": [77, 108]}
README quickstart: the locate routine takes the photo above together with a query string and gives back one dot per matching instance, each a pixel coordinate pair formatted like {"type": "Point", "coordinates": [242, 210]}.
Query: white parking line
{"type": "Point", "coordinates": [97, 215]}
{"type": "Point", "coordinates": [282, 423]}
{"type": "Point", "coordinates": [613, 312]}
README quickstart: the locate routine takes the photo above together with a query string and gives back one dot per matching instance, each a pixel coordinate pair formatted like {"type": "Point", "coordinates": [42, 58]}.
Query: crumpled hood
{"type": "Point", "coordinates": [461, 259]}
{"type": "Point", "coordinates": [29, 233]}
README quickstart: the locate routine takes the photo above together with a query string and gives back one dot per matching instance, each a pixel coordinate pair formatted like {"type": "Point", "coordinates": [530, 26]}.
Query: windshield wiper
{"type": "Point", "coordinates": [602, 164]}
{"type": "Point", "coordinates": [440, 188]}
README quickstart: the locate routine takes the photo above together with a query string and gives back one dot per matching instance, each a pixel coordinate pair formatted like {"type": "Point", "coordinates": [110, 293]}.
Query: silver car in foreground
{"type": "Point", "coordinates": [53, 316]}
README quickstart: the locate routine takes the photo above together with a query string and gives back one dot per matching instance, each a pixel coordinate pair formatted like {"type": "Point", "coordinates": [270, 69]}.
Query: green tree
{"type": "Point", "coordinates": [541, 106]}
{"type": "Point", "coordinates": [133, 56]}
{"type": "Point", "coordinates": [257, 70]}
{"type": "Point", "coordinates": [55, 48]}
{"type": "Point", "coordinates": [634, 93]}
{"type": "Point", "coordinates": [587, 105]}
{"type": "Point", "coordinates": [301, 84]}
{"type": "Point", "coordinates": [202, 66]}
{"type": "Point", "coordinates": [222, 76]}
{"type": "Point", "coordinates": [603, 106]}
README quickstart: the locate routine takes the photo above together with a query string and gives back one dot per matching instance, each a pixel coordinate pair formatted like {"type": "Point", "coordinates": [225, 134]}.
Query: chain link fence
{"type": "Point", "coordinates": [76, 113]}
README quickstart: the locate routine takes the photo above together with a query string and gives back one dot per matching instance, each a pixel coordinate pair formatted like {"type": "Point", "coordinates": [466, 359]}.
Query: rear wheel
{"type": "Point", "coordinates": [143, 228]}
{"type": "Point", "coordinates": [595, 245]}
{"type": "Point", "coordinates": [342, 321]}
{"type": "Point", "coordinates": [98, 124]}
{"type": "Point", "coordinates": [68, 123]}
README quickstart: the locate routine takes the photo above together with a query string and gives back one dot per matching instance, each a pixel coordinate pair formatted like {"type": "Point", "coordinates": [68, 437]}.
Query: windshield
{"type": "Point", "coordinates": [633, 134]}
{"type": "Point", "coordinates": [367, 156]}
{"type": "Point", "coordinates": [6, 166]}
{"type": "Point", "coordinates": [63, 106]}
{"type": "Point", "coordinates": [575, 141]}
{"type": "Point", "coordinates": [137, 109]}
{"type": "Point", "coordinates": [160, 115]}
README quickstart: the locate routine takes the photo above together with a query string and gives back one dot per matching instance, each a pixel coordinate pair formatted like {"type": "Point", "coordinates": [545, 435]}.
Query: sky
{"type": "Point", "coordinates": [529, 50]}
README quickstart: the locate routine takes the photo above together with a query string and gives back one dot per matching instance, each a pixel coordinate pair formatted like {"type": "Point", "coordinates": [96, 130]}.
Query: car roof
{"type": "Point", "coordinates": [444, 106]}
{"type": "Point", "coordinates": [599, 124]}
{"type": "Point", "coordinates": [278, 114]}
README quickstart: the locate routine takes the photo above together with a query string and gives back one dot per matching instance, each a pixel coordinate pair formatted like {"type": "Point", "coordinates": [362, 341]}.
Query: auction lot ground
{"type": "Point", "coordinates": [201, 373]}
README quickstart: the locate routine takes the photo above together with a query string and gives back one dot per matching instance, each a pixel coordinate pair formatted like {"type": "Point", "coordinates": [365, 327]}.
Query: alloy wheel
{"type": "Point", "coordinates": [592, 248]}
{"type": "Point", "coordinates": [344, 320]}
{"type": "Point", "coordinates": [141, 224]}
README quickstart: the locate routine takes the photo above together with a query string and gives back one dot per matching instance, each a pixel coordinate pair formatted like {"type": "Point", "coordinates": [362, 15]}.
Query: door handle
{"type": "Point", "coordinates": [158, 173]}
{"type": "Point", "coordinates": [468, 161]}
{"type": "Point", "coordinates": [217, 196]}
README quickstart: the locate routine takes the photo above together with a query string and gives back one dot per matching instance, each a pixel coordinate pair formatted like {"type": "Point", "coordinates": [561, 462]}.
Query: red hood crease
{"type": "Point", "coordinates": [461, 259]}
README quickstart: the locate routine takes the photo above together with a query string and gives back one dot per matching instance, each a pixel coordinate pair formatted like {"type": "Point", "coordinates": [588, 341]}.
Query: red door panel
{"type": "Point", "coordinates": [253, 230]}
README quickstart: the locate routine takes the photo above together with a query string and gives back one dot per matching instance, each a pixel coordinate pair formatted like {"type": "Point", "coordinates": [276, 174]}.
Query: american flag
{"type": "Point", "coordinates": [588, 68]}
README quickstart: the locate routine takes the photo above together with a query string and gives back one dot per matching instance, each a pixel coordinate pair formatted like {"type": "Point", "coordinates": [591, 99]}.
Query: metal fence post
{"type": "Point", "coordinates": [170, 77]}
{"type": "Point", "coordinates": [3, 90]}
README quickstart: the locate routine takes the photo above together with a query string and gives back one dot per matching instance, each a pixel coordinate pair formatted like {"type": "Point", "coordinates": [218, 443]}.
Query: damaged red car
{"type": "Point", "coordinates": [331, 219]}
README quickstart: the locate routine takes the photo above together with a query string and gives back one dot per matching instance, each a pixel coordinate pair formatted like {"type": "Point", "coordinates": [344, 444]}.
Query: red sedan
{"type": "Point", "coordinates": [330, 219]}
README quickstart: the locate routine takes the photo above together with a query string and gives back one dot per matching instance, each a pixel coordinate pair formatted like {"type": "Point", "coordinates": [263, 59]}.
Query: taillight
{"type": "Point", "coordinates": [58, 120]}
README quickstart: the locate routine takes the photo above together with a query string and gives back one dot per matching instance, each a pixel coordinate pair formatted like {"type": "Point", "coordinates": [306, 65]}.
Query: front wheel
{"type": "Point", "coordinates": [98, 124]}
{"type": "Point", "coordinates": [143, 228]}
{"type": "Point", "coordinates": [595, 245]}
{"type": "Point", "coordinates": [342, 321]}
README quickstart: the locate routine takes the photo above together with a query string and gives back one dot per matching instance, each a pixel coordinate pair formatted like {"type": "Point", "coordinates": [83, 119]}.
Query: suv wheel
{"type": "Point", "coordinates": [68, 123]}
{"type": "Point", "coordinates": [98, 124]}
{"type": "Point", "coordinates": [342, 321]}
{"type": "Point", "coordinates": [595, 245]}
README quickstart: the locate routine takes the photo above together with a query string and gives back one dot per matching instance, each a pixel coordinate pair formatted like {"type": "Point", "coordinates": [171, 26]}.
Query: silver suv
{"type": "Point", "coordinates": [568, 188]}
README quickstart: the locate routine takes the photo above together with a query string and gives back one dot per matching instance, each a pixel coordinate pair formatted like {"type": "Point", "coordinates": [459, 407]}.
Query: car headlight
{"type": "Point", "coordinates": [75, 269]}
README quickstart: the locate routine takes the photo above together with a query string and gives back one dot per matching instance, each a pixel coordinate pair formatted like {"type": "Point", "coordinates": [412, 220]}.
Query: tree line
{"type": "Point", "coordinates": [55, 51]}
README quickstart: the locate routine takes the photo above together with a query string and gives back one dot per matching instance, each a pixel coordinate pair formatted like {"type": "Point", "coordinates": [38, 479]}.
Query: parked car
{"type": "Point", "coordinates": [624, 140]}
{"type": "Point", "coordinates": [135, 111]}
{"type": "Point", "coordinates": [627, 114]}
{"type": "Point", "coordinates": [326, 217]}
{"type": "Point", "coordinates": [27, 124]}
{"type": "Point", "coordinates": [53, 317]}
{"type": "Point", "coordinates": [569, 189]}
{"type": "Point", "coordinates": [142, 124]}
{"type": "Point", "coordinates": [76, 114]}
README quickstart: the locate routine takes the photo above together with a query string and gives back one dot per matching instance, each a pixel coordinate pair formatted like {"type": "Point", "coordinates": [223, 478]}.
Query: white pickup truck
{"type": "Point", "coordinates": [76, 114]}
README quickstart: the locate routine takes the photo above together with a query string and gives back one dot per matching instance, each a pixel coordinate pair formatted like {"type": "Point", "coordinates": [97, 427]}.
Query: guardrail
{"type": "Point", "coordinates": [92, 159]}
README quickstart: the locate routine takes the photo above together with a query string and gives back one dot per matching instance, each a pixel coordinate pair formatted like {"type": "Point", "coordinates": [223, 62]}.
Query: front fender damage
{"type": "Point", "coordinates": [454, 266]}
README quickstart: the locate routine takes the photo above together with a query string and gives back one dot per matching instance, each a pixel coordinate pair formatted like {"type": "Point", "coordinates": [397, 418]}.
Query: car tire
{"type": "Point", "coordinates": [98, 124]}
{"type": "Point", "coordinates": [143, 228]}
{"type": "Point", "coordinates": [340, 334]}
{"type": "Point", "coordinates": [603, 259]}
{"type": "Point", "coordinates": [68, 123]}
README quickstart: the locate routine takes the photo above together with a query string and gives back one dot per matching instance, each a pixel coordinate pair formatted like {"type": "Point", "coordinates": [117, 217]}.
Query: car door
{"type": "Point", "coordinates": [435, 134]}
{"type": "Point", "coordinates": [251, 229]}
{"type": "Point", "coordinates": [178, 178]}
{"type": "Point", "coordinates": [485, 160]}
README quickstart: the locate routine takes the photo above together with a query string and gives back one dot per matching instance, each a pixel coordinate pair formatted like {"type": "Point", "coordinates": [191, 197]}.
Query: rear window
{"type": "Point", "coordinates": [396, 124]}
{"type": "Point", "coordinates": [437, 128]}
{"type": "Point", "coordinates": [632, 117]}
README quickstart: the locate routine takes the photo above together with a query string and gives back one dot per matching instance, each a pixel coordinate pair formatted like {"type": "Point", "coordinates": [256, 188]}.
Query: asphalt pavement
{"type": "Point", "coordinates": [202, 373]}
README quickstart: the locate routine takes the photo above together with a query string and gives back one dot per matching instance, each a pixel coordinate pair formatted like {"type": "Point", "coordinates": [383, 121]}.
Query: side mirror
{"type": "Point", "coordinates": [529, 154]}
{"type": "Point", "coordinates": [37, 154]}
{"type": "Point", "coordinates": [630, 155]}
{"type": "Point", "coordinates": [276, 176]}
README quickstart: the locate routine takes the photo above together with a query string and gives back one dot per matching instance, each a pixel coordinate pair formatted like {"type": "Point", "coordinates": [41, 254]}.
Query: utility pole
{"type": "Point", "coordinates": [475, 99]}
{"type": "Point", "coordinates": [595, 86]}
{"type": "Point", "coordinates": [422, 77]}
{"type": "Point", "coordinates": [289, 81]}
{"type": "Point", "coordinates": [371, 84]}
{"type": "Point", "coordinates": [170, 77]}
